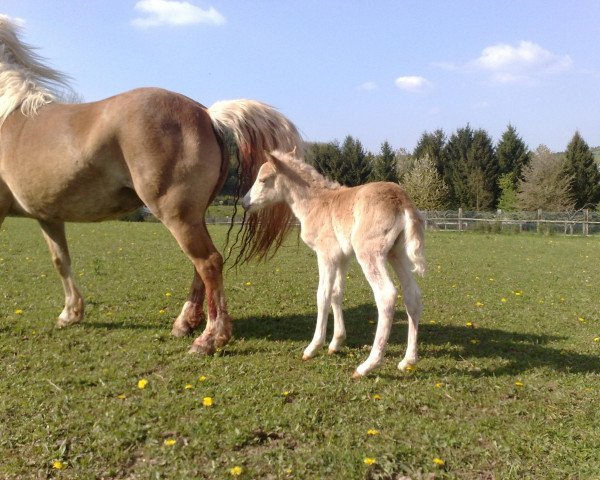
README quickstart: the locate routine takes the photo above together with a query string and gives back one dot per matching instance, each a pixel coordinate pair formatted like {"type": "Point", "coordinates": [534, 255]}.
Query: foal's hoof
{"type": "Point", "coordinates": [306, 357]}
{"type": "Point", "coordinates": [65, 322]}
{"type": "Point", "coordinates": [356, 375]}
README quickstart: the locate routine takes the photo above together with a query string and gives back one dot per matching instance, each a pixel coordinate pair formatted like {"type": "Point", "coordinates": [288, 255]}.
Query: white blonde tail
{"type": "Point", "coordinates": [414, 239]}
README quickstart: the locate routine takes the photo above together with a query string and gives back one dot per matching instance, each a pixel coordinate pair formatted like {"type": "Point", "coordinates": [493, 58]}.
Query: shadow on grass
{"type": "Point", "coordinates": [517, 352]}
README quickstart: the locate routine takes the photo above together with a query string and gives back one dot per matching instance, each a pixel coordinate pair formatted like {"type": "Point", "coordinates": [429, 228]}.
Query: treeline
{"type": "Point", "coordinates": [468, 170]}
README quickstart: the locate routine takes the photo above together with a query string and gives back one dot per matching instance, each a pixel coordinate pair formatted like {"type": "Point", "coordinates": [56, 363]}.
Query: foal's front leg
{"type": "Point", "coordinates": [326, 279]}
{"type": "Point", "coordinates": [54, 233]}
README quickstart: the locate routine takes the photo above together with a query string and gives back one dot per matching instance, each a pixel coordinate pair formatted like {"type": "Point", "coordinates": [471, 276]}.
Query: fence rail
{"type": "Point", "coordinates": [581, 222]}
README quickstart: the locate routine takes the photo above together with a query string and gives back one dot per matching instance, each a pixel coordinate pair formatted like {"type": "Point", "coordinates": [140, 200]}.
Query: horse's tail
{"type": "Point", "coordinates": [414, 239]}
{"type": "Point", "coordinates": [25, 81]}
{"type": "Point", "coordinates": [257, 128]}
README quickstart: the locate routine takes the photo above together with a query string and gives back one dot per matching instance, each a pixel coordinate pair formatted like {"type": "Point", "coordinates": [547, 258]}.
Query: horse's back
{"type": "Point", "coordinates": [91, 161]}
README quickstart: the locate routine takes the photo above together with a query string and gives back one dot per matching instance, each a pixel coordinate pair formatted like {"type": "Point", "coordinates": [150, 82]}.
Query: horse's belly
{"type": "Point", "coordinates": [81, 205]}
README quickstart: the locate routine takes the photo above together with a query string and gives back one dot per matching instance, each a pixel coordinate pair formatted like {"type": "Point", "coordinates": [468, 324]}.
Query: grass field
{"type": "Point", "coordinates": [508, 386]}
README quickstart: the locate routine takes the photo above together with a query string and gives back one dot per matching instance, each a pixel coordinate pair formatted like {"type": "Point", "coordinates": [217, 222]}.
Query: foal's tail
{"type": "Point", "coordinates": [257, 128]}
{"type": "Point", "coordinates": [414, 239]}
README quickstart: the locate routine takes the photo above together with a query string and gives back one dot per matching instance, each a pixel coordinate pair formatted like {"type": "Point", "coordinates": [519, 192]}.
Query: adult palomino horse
{"type": "Point", "coordinates": [377, 222]}
{"type": "Point", "coordinates": [94, 161]}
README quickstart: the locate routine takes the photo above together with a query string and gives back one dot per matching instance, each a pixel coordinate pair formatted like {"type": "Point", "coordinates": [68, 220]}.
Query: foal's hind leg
{"type": "Point", "coordinates": [337, 297]}
{"type": "Point", "coordinates": [412, 301]}
{"type": "Point", "coordinates": [192, 313]}
{"type": "Point", "coordinates": [373, 265]}
{"type": "Point", "coordinates": [208, 262]}
{"type": "Point", "coordinates": [54, 233]}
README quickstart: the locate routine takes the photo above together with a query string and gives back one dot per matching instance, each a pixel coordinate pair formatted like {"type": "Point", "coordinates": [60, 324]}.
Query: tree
{"type": "Point", "coordinates": [355, 167]}
{"type": "Point", "coordinates": [432, 145]}
{"type": "Point", "coordinates": [508, 200]}
{"type": "Point", "coordinates": [326, 158]}
{"type": "Point", "coordinates": [512, 154]}
{"type": "Point", "coordinates": [384, 165]}
{"type": "Point", "coordinates": [471, 169]}
{"type": "Point", "coordinates": [425, 186]}
{"type": "Point", "coordinates": [580, 165]}
{"type": "Point", "coordinates": [545, 185]}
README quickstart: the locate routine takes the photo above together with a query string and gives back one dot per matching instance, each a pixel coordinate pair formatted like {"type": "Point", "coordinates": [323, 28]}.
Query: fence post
{"type": "Point", "coordinates": [586, 222]}
{"type": "Point", "coordinates": [460, 214]}
{"type": "Point", "coordinates": [539, 220]}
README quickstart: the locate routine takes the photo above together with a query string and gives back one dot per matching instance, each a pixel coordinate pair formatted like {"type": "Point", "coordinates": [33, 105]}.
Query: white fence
{"type": "Point", "coordinates": [580, 222]}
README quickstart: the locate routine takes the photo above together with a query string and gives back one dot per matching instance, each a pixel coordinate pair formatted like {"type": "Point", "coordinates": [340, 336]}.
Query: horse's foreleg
{"type": "Point", "coordinates": [373, 266]}
{"type": "Point", "coordinates": [326, 279]}
{"type": "Point", "coordinates": [54, 233]}
{"type": "Point", "coordinates": [192, 313]}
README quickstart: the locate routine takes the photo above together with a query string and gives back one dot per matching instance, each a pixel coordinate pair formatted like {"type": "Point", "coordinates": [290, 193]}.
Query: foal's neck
{"type": "Point", "coordinates": [302, 198]}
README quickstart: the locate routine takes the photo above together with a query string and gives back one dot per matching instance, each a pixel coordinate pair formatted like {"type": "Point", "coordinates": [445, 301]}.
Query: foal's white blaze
{"type": "Point", "coordinates": [376, 222]}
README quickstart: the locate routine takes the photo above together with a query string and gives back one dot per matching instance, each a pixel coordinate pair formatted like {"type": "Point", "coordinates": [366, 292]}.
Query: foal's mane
{"type": "Point", "coordinates": [305, 171]}
{"type": "Point", "coordinates": [25, 82]}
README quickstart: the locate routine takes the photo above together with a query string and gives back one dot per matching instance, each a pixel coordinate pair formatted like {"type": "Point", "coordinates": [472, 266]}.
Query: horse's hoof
{"type": "Point", "coordinates": [202, 349]}
{"type": "Point", "coordinates": [331, 351]}
{"type": "Point", "coordinates": [181, 331]}
{"type": "Point", "coordinates": [306, 357]}
{"type": "Point", "coordinates": [356, 375]}
{"type": "Point", "coordinates": [66, 322]}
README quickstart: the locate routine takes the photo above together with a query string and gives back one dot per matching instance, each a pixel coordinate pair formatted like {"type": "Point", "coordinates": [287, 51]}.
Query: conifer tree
{"type": "Point", "coordinates": [512, 154]}
{"type": "Point", "coordinates": [384, 165]}
{"type": "Point", "coordinates": [431, 145]}
{"type": "Point", "coordinates": [580, 165]}
{"type": "Point", "coordinates": [355, 167]}
{"type": "Point", "coordinates": [425, 186]}
{"type": "Point", "coordinates": [326, 158]}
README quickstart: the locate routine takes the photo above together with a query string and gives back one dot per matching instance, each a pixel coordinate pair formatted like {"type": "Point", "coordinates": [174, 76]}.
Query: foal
{"type": "Point", "coordinates": [376, 222]}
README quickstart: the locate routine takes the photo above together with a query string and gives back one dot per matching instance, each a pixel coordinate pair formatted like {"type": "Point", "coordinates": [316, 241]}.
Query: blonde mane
{"type": "Point", "coordinates": [307, 172]}
{"type": "Point", "coordinates": [25, 82]}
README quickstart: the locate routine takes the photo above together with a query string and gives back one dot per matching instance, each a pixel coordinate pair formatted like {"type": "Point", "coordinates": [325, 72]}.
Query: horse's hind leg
{"type": "Point", "coordinates": [373, 266]}
{"type": "Point", "coordinates": [412, 300]}
{"type": "Point", "coordinates": [192, 313]}
{"type": "Point", "coordinates": [54, 233]}
{"type": "Point", "coordinates": [208, 262]}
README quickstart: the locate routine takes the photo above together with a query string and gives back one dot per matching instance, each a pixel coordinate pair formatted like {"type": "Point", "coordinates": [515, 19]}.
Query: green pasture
{"type": "Point", "coordinates": [508, 386]}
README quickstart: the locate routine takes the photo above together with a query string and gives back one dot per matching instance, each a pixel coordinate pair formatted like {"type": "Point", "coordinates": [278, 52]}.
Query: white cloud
{"type": "Point", "coordinates": [413, 83]}
{"type": "Point", "coordinates": [520, 63]}
{"type": "Point", "coordinates": [174, 13]}
{"type": "Point", "coordinates": [368, 86]}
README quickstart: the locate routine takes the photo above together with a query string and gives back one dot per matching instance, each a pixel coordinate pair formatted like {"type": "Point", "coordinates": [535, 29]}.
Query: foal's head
{"type": "Point", "coordinates": [268, 188]}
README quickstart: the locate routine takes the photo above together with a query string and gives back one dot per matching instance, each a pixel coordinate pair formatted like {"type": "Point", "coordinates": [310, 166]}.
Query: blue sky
{"type": "Point", "coordinates": [378, 70]}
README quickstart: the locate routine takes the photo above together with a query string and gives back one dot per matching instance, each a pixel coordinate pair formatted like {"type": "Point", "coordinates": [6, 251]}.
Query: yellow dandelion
{"type": "Point", "coordinates": [432, 322]}
{"type": "Point", "coordinates": [207, 402]}
{"type": "Point", "coordinates": [469, 324]}
{"type": "Point", "coordinates": [475, 341]}
{"type": "Point", "coordinates": [286, 393]}
{"type": "Point", "coordinates": [410, 368]}
{"type": "Point", "coordinates": [122, 396]}
{"type": "Point", "coordinates": [58, 465]}
{"type": "Point", "coordinates": [503, 300]}
{"type": "Point", "coordinates": [369, 461]}
{"type": "Point", "coordinates": [376, 397]}
{"type": "Point", "coordinates": [372, 432]}
{"type": "Point", "coordinates": [597, 339]}
{"type": "Point", "coordinates": [518, 293]}
{"type": "Point", "coordinates": [248, 284]}
{"type": "Point", "coordinates": [162, 311]}
{"type": "Point", "coordinates": [202, 378]}
{"type": "Point", "coordinates": [188, 386]}
{"type": "Point", "coordinates": [142, 383]}
{"type": "Point", "coordinates": [168, 294]}
{"type": "Point", "coordinates": [439, 462]}
{"type": "Point", "coordinates": [18, 311]}
{"type": "Point", "coordinates": [169, 442]}
{"type": "Point", "coordinates": [236, 471]}
{"type": "Point", "coordinates": [439, 385]}
{"type": "Point", "coordinates": [581, 319]}
{"type": "Point", "coordinates": [519, 384]}
{"type": "Point", "coordinates": [479, 304]}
